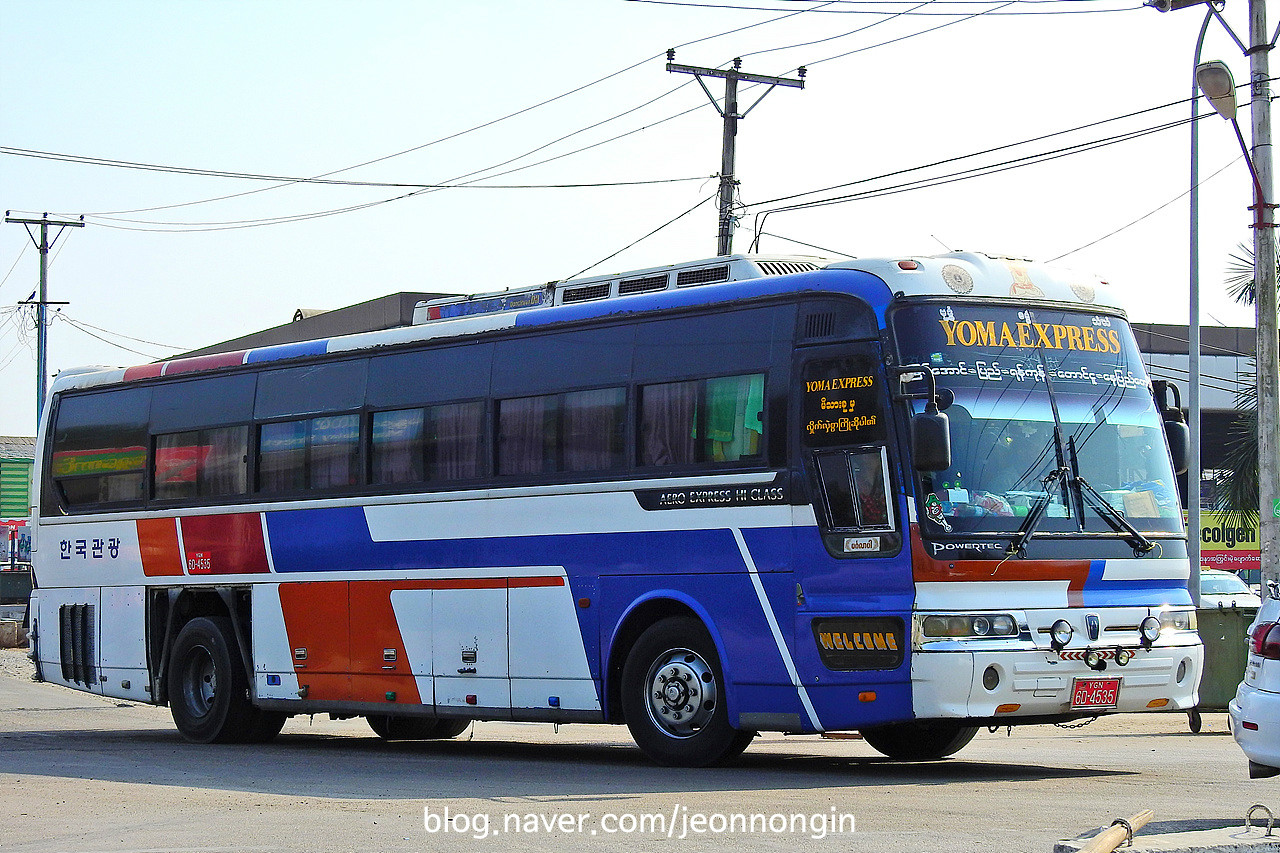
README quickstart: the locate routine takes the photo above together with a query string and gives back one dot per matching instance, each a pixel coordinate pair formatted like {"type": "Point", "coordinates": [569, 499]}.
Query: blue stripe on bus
{"type": "Point", "coordinates": [282, 351]}
{"type": "Point", "coordinates": [703, 567]}
{"type": "Point", "coordinates": [1141, 592]}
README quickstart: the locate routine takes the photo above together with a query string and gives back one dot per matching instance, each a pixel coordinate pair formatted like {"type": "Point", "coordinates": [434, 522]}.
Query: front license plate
{"type": "Point", "coordinates": [1095, 693]}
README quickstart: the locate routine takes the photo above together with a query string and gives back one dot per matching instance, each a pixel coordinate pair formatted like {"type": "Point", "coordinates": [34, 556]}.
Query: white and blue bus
{"type": "Point", "coordinates": [908, 497]}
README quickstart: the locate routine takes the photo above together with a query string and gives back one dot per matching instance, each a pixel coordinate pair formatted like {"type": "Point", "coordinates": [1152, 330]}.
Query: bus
{"type": "Point", "coordinates": [908, 497]}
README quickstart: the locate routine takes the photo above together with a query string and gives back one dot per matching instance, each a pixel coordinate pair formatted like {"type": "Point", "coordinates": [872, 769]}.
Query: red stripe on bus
{"type": "Point", "coordinates": [224, 544]}
{"type": "Point", "coordinates": [158, 544]}
{"type": "Point", "coordinates": [143, 371]}
{"type": "Point", "coordinates": [518, 583]}
{"type": "Point", "coordinates": [204, 362]}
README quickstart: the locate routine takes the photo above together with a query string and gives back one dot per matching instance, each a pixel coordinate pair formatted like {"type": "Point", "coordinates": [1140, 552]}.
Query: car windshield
{"type": "Point", "coordinates": [1222, 584]}
{"type": "Point", "coordinates": [1001, 364]}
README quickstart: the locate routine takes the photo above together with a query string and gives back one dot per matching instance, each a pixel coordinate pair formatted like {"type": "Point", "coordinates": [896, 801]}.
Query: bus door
{"type": "Point", "coordinates": [853, 578]}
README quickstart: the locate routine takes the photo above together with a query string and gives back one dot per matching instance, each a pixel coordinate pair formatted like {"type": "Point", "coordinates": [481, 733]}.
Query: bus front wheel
{"type": "Point", "coordinates": [415, 728]}
{"type": "Point", "coordinates": [921, 740]}
{"type": "Point", "coordinates": [673, 697]}
{"type": "Point", "coordinates": [208, 688]}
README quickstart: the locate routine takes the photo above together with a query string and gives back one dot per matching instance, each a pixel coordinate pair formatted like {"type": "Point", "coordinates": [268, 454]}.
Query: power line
{"type": "Point", "coordinates": [1149, 213]}
{"type": "Point", "coordinates": [977, 171]}
{"type": "Point", "coordinates": [249, 176]}
{"type": "Point", "coordinates": [79, 327]}
{"type": "Point", "coordinates": [689, 3]}
{"type": "Point", "coordinates": [483, 125]}
{"type": "Point", "coordinates": [645, 237]}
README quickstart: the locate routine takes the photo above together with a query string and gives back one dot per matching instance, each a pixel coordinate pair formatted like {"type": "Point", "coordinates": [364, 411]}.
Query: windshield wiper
{"type": "Point", "coordinates": [1112, 516]}
{"type": "Point", "coordinates": [1028, 527]}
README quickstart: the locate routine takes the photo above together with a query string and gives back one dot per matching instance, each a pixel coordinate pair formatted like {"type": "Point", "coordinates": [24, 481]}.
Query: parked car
{"type": "Point", "coordinates": [1255, 710]}
{"type": "Point", "coordinates": [1224, 589]}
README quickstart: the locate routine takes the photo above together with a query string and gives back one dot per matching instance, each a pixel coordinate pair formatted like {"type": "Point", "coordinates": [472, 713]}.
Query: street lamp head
{"type": "Point", "coordinates": [1216, 83]}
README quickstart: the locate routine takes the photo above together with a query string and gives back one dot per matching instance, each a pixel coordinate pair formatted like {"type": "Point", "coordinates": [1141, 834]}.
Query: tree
{"type": "Point", "coordinates": [1238, 485]}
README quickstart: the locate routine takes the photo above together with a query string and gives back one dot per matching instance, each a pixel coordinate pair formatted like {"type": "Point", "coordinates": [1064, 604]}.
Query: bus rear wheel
{"type": "Point", "coordinates": [208, 688]}
{"type": "Point", "coordinates": [415, 728]}
{"type": "Point", "coordinates": [921, 740]}
{"type": "Point", "coordinates": [673, 697]}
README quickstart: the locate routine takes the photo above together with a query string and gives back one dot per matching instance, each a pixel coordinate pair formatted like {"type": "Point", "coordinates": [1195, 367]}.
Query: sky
{"type": "Point", "coordinates": [518, 99]}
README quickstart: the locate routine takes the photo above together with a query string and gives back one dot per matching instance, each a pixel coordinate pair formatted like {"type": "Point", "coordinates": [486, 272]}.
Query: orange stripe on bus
{"type": "Point", "coordinates": [158, 544]}
{"type": "Point", "coordinates": [926, 569]}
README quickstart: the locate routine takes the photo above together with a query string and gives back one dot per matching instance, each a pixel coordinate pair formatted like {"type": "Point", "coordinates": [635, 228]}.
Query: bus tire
{"type": "Point", "coordinates": [265, 726]}
{"type": "Point", "coordinates": [920, 740]}
{"type": "Point", "coordinates": [673, 697]}
{"type": "Point", "coordinates": [415, 728]}
{"type": "Point", "coordinates": [208, 689]}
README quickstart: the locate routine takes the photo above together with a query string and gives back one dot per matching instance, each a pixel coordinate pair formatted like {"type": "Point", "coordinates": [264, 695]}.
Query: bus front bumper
{"type": "Point", "coordinates": [1037, 682]}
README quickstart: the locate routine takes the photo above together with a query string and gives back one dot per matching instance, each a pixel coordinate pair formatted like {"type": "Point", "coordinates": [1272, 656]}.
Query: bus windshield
{"type": "Point", "coordinates": [1017, 375]}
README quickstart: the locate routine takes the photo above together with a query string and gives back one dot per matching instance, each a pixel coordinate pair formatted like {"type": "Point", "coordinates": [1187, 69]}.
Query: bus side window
{"type": "Point", "coordinates": [854, 489]}
{"type": "Point", "coordinates": [702, 421]}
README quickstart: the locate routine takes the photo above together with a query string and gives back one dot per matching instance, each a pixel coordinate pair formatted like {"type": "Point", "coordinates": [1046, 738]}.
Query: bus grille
{"type": "Point", "coordinates": [587, 293]}
{"type": "Point", "coordinates": [77, 623]}
{"type": "Point", "coordinates": [643, 285]}
{"type": "Point", "coordinates": [786, 267]}
{"type": "Point", "coordinates": [702, 276]}
{"type": "Point", "coordinates": [820, 325]}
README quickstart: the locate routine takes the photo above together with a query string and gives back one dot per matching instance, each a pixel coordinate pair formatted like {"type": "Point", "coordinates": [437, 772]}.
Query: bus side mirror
{"type": "Point", "coordinates": [1178, 435]}
{"type": "Point", "coordinates": [931, 439]}
{"type": "Point", "coordinates": [1176, 431]}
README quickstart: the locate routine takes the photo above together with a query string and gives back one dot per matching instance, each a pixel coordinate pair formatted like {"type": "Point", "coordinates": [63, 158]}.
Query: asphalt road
{"type": "Point", "coordinates": [81, 773]}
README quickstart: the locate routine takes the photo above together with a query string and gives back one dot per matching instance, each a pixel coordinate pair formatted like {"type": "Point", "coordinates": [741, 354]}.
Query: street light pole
{"type": "Point", "coordinates": [1264, 254]}
{"type": "Point", "coordinates": [1193, 334]}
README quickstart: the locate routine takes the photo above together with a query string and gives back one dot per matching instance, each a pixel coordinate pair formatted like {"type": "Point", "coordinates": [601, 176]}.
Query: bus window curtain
{"type": "Point", "coordinates": [669, 423]}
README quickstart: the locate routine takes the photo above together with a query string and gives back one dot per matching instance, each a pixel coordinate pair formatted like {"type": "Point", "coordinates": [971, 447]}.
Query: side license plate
{"type": "Point", "coordinates": [1095, 693]}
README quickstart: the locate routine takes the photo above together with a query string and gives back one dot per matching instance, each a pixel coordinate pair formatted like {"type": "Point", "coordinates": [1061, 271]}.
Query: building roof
{"type": "Point", "coordinates": [385, 312]}
{"type": "Point", "coordinates": [17, 447]}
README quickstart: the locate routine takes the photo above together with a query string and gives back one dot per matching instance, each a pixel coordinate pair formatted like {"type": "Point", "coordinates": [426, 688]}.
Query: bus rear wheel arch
{"type": "Point", "coordinates": [673, 697]}
{"type": "Point", "coordinates": [919, 740]}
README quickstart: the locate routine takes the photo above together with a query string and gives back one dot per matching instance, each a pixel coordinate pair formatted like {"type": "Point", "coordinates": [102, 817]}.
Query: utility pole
{"type": "Point", "coordinates": [43, 245]}
{"type": "Point", "coordinates": [1264, 254]}
{"type": "Point", "coordinates": [729, 112]}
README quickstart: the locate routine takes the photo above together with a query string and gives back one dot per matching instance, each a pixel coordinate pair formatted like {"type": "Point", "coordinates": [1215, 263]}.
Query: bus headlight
{"type": "Point", "coordinates": [969, 626]}
{"type": "Point", "coordinates": [1178, 620]}
{"type": "Point", "coordinates": [1150, 630]}
{"type": "Point", "coordinates": [1060, 634]}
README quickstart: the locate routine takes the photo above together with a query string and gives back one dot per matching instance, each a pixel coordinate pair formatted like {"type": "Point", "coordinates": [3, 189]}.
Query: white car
{"type": "Point", "coordinates": [1224, 589]}
{"type": "Point", "coordinates": [1255, 711]}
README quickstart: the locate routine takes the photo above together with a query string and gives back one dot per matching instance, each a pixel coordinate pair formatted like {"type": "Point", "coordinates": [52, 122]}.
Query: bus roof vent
{"type": "Point", "coordinates": [642, 285]}
{"type": "Point", "coordinates": [786, 267]}
{"type": "Point", "coordinates": [586, 293]}
{"type": "Point", "coordinates": [822, 325]}
{"type": "Point", "coordinates": [706, 275]}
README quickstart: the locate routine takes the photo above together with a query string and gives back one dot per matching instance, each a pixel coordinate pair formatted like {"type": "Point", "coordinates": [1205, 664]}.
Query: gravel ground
{"type": "Point", "coordinates": [14, 663]}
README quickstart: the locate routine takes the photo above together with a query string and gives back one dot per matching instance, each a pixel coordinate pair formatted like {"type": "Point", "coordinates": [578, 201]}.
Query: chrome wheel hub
{"type": "Point", "coordinates": [681, 692]}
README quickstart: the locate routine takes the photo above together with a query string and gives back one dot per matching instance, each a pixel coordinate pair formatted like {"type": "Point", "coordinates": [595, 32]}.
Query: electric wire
{"type": "Point", "coordinates": [688, 3]}
{"type": "Point", "coordinates": [79, 327]}
{"type": "Point", "coordinates": [120, 334]}
{"type": "Point", "coordinates": [1149, 213]}
{"type": "Point", "coordinates": [980, 171]}
{"type": "Point", "coordinates": [803, 243]}
{"type": "Point", "coordinates": [21, 252]}
{"type": "Point", "coordinates": [493, 122]}
{"type": "Point", "coordinates": [645, 237]}
{"type": "Point", "coordinates": [188, 170]}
